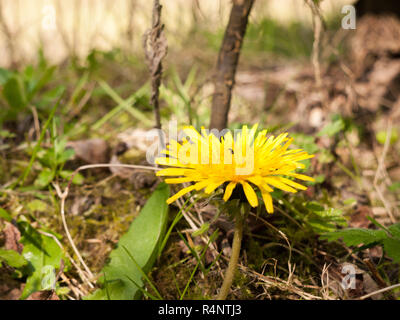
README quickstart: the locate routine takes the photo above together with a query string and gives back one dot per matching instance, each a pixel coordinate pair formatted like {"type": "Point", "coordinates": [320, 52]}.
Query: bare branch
{"type": "Point", "coordinates": [227, 62]}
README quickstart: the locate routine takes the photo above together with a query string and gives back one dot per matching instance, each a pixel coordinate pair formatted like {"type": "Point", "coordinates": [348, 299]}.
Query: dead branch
{"type": "Point", "coordinates": [155, 48]}
{"type": "Point", "coordinates": [228, 58]}
{"type": "Point", "coordinates": [318, 25]}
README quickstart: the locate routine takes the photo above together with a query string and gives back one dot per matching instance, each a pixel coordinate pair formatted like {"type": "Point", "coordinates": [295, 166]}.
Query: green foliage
{"type": "Point", "coordinates": [203, 229]}
{"type": "Point", "coordinates": [25, 88]}
{"type": "Point", "coordinates": [4, 76]}
{"type": "Point", "coordinates": [394, 186]}
{"type": "Point", "coordinates": [182, 99]}
{"type": "Point", "coordinates": [36, 148]}
{"type": "Point", "coordinates": [44, 257]}
{"type": "Point", "coordinates": [6, 134]}
{"type": "Point", "coordinates": [14, 93]}
{"type": "Point", "coordinates": [12, 258]}
{"type": "Point", "coordinates": [381, 136]}
{"type": "Point", "coordinates": [323, 220]}
{"type": "Point", "coordinates": [127, 104]}
{"type": "Point", "coordinates": [5, 215]}
{"type": "Point", "coordinates": [355, 236]}
{"type": "Point", "coordinates": [136, 251]}
{"type": "Point", "coordinates": [37, 205]}
{"type": "Point", "coordinates": [333, 128]}
{"type": "Point", "coordinates": [269, 36]}
{"type": "Point", "coordinates": [389, 238]}
{"type": "Point", "coordinates": [305, 142]}
{"type": "Point", "coordinates": [292, 40]}
{"type": "Point", "coordinates": [53, 160]}
{"type": "Point", "coordinates": [44, 178]}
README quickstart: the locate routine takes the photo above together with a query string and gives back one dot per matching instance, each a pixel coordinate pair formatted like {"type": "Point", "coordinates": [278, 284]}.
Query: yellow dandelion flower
{"type": "Point", "coordinates": [246, 160]}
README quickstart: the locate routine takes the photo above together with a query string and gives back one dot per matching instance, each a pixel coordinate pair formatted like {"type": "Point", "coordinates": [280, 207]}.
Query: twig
{"type": "Point", "coordinates": [155, 48]}
{"type": "Point", "coordinates": [36, 122]}
{"type": "Point", "coordinates": [279, 283]}
{"type": "Point", "coordinates": [381, 165]}
{"type": "Point", "coordinates": [108, 165]}
{"type": "Point", "coordinates": [375, 274]}
{"type": "Point", "coordinates": [63, 196]}
{"type": "Point", "coordinates": [318, 26]}
{"type": "Point", "coordinates": [228, 59]}
{"type": "Point", "coordinates": [380, 291]}
{"type": "Point", "coordinates": [74, 289]}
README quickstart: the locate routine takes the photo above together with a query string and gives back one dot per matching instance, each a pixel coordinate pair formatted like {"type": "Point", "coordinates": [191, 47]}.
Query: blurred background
{"type": "Point", "coordinates": [76, 27]}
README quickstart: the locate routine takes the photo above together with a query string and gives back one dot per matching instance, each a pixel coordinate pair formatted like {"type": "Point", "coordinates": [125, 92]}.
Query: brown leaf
{"type": "Point", "coordinates": [91, 150]}
{"type": "Point", "coordinates": [359, 218]}
{"type": "Point", "coordinates": [10, 289]}
{"type": "Point", "coordinates": [139, 139]}
{"type": "Point", "coordinates": [12, 237]}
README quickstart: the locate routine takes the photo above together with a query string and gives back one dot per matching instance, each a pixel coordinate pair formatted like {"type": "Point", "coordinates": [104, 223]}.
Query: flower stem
{"type": "Point", "coordinates": [233, 261]}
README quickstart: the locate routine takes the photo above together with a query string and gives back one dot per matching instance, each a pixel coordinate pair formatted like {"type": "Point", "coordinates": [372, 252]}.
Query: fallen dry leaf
{"type": "Point", "coordinates": [10, 289]}
{"type": "Point", "coordinates": [12, 237]}
{"type": "Point", "coordinates": [359, 218]}
{"type": "Point", "coordinates": [91, 150]}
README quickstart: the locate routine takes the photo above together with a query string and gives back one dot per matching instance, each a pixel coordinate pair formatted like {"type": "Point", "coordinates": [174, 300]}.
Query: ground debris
{"type": "Point", "coordinates": [12, 237]}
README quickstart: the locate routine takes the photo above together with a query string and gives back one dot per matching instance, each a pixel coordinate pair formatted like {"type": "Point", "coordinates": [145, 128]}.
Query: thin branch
{"type": "Point", "coordinates": [381, 165]}
{"type": "Point", "coordinates": [228, 59]}
{"type": "Point", "coordinates": [155, 48]}
{"type": "Point", "coordinates": [380, 291]}
{"type": "Point", "coordinates": [318, 24]}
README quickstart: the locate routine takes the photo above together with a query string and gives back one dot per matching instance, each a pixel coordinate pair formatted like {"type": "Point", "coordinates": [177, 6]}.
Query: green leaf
{"type": "Point", "coordinates": [381, 137]}
{"type": "Point", "coordinates": [6, 134]}
{"type": "Point", "coordinates": [333, 128]}
{"type": "Point", "coordinates": [4, 76]}
{"type": "Point", "coordinates": [318, 179]}
{"type": "Point", "coordinates": [320, 226]}
{"type": "Point", "coordinates": [14, 93]}
{"type": "Point", "coordinates": [22, 177]}
{"type": "Point", "coordinates": [322, 220]}
{"type": "Point", "coordinates": [12, 258]}
{"type": "Point", "coordinates": [141, 241]}
{"type": "Point", "coordinates": [78, 178]}
{"type": "Point", "coordinates": [392, 248]}
{"type": "Point", "coordinates": [44, 178]}
{"type": "Point", "coordinates": [314, 206]}
{"type": "Point", "coordinates": [394, 186]}
{"type": "Point", "coordinates": [37, 205]}
{"type": "Point", "coordinates": [65, 155]}
{"type": "Point", "coordinates": [37, 84]}
{"type": "Point", "coordinates": [354, 237]}
{"type": "Point", "coordinates": [350, 202]}
{"type": "Point", "coordinates": [305, 142]}
{"type": "Point", "coordinates": [5, 215]}
{"type": "Point", "coordinates": [48, 97]}
{"type": "Point", "coordinates": [204, 228]}
{"type": "Point", "coordinates": [394, 229]}
{"type": "Point", "coordinates": [43, 253]}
